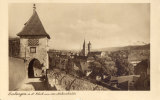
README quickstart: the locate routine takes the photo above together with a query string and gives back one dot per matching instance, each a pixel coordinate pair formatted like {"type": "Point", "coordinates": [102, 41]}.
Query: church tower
{"type": "Point", "coordinates": [85, 49]}
{"type": "Point", "coordinates": [34, 46]}
{"type": "Point", "coordinates": [89, 47]}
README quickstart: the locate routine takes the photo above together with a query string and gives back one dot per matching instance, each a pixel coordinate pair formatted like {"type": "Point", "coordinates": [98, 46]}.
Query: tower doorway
{"type": "Point", "coordinates": [34, 69]}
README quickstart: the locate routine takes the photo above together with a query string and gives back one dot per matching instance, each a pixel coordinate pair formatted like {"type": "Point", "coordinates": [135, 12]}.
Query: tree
{"type": "Point", "coordinates": [121, 61]}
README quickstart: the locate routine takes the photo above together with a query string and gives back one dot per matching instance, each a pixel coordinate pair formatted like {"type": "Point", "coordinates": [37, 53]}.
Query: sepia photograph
{"type": "Point", "coordinates": [79, 46]}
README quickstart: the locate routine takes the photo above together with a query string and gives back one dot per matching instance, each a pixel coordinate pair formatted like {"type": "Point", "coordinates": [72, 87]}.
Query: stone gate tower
{"type": "Point", "coordinates": [34, 45]}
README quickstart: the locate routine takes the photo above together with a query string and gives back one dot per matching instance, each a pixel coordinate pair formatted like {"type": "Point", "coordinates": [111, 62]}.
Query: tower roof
{"type": "Point", "coordinates": [84, 41]}
{"type": "Point", "coordinates": [33, 27]}
{"type": "Point", "coordinates": [89, 43]}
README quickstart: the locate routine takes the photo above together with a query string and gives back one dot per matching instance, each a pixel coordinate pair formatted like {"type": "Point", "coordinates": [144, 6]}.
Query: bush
{"type": "Point", "coordinates": [121, 62]}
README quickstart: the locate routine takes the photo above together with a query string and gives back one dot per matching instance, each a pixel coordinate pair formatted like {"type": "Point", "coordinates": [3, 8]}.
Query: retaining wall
{"type": "Point", "coordinates": [63, 81]}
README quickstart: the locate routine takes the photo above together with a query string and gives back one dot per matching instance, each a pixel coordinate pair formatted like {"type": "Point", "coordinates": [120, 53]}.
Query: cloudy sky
{"type": "Point", "coordinates": [104, 25]}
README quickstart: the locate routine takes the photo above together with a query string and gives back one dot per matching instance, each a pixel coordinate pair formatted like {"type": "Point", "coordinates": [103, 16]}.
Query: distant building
{"type": "Point", "coordinates": [86, 49]}
{"type": "Point", "coordinates": [89, 47]}
{"type": "Point", "coordinates": [97, 53]}
{"type": "Point", "coordinates": [90, 59]}
{"type": "Point", "coordinates": [134, 63]}
{"type": "Point", "coordinates": [61, 53]}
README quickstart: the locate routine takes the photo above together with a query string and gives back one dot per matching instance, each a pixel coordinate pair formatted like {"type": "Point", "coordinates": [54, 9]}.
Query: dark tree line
{"type": "Point", "coordinates": [121, 61]}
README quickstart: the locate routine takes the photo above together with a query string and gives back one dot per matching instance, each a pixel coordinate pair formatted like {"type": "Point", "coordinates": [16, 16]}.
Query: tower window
{"type": "Point", "coordinates": [32, 49]}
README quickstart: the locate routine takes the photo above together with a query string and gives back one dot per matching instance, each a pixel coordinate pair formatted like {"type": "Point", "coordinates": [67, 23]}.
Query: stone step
{"type": "Point", "coordinates": [33, 80]}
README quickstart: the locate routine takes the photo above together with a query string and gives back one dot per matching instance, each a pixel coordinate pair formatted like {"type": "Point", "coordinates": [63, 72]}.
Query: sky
{"type": "Point", "coordinates": [103, 24]}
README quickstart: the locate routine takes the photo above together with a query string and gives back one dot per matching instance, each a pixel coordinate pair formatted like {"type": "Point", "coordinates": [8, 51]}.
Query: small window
{"type": "Point", "coordinates": [32, 49]}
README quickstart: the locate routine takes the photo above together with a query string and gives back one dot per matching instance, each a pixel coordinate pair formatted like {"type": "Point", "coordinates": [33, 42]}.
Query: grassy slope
{"type": "Point", "coordinates": [16, 72]}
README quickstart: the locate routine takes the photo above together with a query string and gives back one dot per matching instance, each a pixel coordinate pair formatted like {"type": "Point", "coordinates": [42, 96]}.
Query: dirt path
{"type": "Point", "coordinates": [33, 84]}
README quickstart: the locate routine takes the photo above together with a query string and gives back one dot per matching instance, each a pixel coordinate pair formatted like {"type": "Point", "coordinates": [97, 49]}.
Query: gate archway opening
{"type": "Point", "coordinates": [34, 69]}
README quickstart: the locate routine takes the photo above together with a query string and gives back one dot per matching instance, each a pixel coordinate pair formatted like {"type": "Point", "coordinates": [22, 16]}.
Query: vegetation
{"type": "Point", "coordinates": [114, 64]}
{"type": "Point", "coordinates": [121, 62]}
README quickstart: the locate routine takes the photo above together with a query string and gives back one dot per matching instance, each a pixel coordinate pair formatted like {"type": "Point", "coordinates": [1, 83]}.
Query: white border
{"type": "Point", "coordinates": [153, 94]}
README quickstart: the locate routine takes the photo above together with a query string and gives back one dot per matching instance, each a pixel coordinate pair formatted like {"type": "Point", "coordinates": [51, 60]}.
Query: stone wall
{"type": "Point", "coordinates": [14, 47]}
{"type": "Point", "coordinates": [63, 81]}
{"type": "Point", "coordinates": [41, 51]}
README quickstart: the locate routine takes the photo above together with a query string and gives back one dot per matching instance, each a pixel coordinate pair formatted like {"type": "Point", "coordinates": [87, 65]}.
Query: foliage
{"type": "Point", "coordinates": [102, 66]}
{"type": "Point", "coordinates": [142, 67]}
{"type": "Point", "coordinates": [121, 62]}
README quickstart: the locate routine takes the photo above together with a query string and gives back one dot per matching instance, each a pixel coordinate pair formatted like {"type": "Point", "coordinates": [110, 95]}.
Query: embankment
{"type": "Point", "coordinates": [63, 81]}
{"type": "Point", "coordinates": [17, 73]}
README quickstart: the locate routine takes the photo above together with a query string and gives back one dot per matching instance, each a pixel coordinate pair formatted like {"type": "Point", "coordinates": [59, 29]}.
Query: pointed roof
{"type": "Point", "coordinates": [84, 43]}
{"type": "Point", "coordinates": [33, 27]}
{"type": "Point", "coordinates": [89, 43]}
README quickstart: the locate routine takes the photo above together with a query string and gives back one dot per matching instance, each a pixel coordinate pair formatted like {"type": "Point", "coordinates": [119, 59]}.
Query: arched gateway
{"type": "Point", "coordinates": [34, 46]}
{"type": "Point", "coordinates": [34, 68]}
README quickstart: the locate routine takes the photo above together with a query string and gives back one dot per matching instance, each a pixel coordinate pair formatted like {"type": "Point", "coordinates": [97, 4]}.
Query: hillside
{"type": "Point", "coordinates": [17, 73]}
{"type": "Point", "coordinates": [131, 47]}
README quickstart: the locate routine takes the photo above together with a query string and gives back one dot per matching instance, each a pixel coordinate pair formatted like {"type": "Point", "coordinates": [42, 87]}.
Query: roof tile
{"type": "Point", "coordinates": [33, 27]}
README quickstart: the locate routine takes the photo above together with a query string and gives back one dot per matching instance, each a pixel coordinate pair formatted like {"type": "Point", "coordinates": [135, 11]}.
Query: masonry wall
{"type": "Point", "coordinates": [14, 47]}
{"type": "Point", "coordinates": [64, 81]}
{"type": "Point", "coordinates": [41, 50]}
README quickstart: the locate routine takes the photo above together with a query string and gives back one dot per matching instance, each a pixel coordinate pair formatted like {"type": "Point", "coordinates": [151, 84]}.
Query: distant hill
{"type": "Point", "coordinates": [132, 47]}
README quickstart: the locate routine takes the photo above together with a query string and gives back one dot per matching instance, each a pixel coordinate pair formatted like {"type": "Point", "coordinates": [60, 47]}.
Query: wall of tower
{"type": "Point", "coordinates": [41, 51]}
